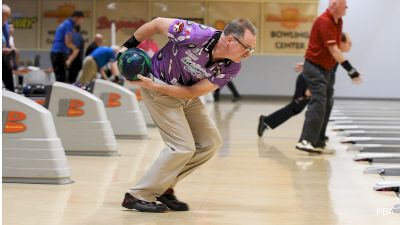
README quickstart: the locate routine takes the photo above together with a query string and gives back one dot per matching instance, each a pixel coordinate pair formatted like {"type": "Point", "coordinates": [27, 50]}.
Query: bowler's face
{"type": "Point", "coordinates": [242, 47]}
{"type": "Point", "coordinates": [342, 7]}
{"type": "Point", "coordinates": [5, 16]}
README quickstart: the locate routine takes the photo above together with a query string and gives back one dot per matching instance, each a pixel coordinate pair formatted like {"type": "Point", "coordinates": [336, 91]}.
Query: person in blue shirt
{"type": "Point", "coordinates": [7, 50]}
{"type": "Point", "coordinates": [76, 64]}
{"type": "Point", "coordinates": [96, 62]}
{"type": "Point", "coordinates": [62, 45]}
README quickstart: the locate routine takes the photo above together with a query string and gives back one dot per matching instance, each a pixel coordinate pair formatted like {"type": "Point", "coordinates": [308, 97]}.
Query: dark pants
{"type": "Point", "coordinates": [8, 79]}
{"type": "Point", "coordinates": [298, 103]}
{"type": "Point", "coordinates": [74, 69]}
{"type": "Point", "coordinates": [58, 61]}
{"type": "Point", "coordinates": [231, 87]}
{"type": "Point", "coordinates": [320, 82]}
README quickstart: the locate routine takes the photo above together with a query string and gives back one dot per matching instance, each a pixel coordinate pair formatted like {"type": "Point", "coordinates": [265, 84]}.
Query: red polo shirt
{"type": "Point", "coordinates": [325, 32]}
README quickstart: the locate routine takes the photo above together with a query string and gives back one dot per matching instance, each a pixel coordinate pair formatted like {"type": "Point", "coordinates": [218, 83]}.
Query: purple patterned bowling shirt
{"type": "Point", "coordinates": [185, 59]}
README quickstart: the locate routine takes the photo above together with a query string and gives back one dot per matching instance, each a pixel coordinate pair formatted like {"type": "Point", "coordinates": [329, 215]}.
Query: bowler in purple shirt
{"type": "Point", "coordinates": [196, 60]}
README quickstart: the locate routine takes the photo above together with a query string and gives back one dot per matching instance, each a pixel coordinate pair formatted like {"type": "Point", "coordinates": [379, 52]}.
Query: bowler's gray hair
{"type": "Point", "coordinates": [238, 27]}
{"type": "Point", "coordinates": [6, 9]}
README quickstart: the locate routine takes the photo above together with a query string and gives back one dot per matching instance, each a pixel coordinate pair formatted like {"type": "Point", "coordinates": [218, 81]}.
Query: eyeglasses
{"type": "Point", "coordinates": [246, 48]}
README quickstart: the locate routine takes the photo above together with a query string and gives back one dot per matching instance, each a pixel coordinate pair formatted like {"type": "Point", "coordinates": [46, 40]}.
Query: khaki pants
{"type": "Point", "coordinates": [88, 71]}
{"type": "Point", "coordinates": [191, 137]}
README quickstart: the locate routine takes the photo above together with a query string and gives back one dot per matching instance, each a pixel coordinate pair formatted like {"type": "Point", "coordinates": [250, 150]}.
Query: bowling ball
{"type": "Point", "coordinates": [132, 62]}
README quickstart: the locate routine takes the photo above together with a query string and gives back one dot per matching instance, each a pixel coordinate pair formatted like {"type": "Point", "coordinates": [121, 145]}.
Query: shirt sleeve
{"type": "Point", "coordinates": [179, 31]}
{"type": "Point", "coordinates": [68, 28]}
{"type": "Point", "coordinates": [112, 56]}
{"type": "Point", "coordinates": [328, 32]}
{"type": "Point", "coordinates": [223, 76]}
{"type": "Point", "coordinates": [185, 32]}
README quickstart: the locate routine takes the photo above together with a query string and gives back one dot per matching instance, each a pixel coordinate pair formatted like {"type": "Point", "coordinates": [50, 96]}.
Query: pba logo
{"type": "Point", "coordinates": [111, 99]}
{"type": "Point", "coordinates": [12, 122]}
{"type": "Point", "coordinates": [70, 108]}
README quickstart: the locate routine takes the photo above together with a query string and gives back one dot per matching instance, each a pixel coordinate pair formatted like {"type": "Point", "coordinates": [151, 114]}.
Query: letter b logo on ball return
{"type": "Point", "coordinates": [70, 108]}
{"type": "Point", "coordinates": [12, 122]}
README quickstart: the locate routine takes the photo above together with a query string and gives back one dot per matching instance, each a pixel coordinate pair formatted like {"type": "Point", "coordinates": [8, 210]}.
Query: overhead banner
{"type": "Point", "coordinates": [220, 14]}
{"type": "Point", "coordinates": [127, 16]}
{"type": "Point", "coordinates": [287, 27]}
{"type": "Point", "coordinates": [25, 21]}
{"type": "Point", "coordinates": [55, 12]}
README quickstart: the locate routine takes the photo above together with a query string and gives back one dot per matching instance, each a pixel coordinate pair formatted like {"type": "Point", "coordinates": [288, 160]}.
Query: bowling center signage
{"type": "Point", "coordinates": [284, 27]}
{"type": "Point", "coordinates": [287, 27]}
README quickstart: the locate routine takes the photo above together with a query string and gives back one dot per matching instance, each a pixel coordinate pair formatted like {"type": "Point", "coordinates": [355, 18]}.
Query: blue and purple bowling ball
{"type": "Point", "coordinates": [132, 62]}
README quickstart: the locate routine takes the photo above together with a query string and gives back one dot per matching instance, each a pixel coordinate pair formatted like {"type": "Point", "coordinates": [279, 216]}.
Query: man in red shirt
{"type": "Point", "coordinates": [322, 55]}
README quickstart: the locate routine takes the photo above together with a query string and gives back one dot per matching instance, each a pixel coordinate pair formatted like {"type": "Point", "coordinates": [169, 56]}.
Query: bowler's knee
{"type": "Point", "coordinates": [216, 141]}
